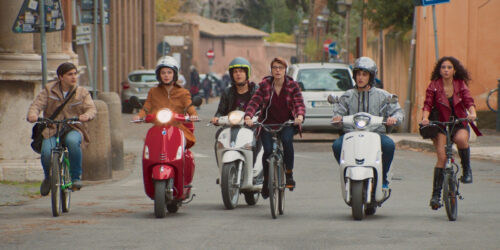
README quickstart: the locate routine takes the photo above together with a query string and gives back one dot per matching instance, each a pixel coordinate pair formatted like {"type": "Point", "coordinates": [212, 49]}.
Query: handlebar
{"type": "Point", "coordinates": [72, 120]}
{"type": "Point", "coordinates": [451, 123]}
{"type": "Point", "coordinates": [267, 127]}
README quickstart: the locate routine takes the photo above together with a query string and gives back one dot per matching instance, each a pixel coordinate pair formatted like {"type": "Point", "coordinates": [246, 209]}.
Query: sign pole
{"type": "Point", "coordinates": [105, 80]}
{"type": "Point", "coordinates": [435, 31]}
{"type": "Point", "coordinates": [96, 47]}
{"type": "Point", "coordinates": [43, 43]}
{"type": "Point", "coordinates": [407, 126]}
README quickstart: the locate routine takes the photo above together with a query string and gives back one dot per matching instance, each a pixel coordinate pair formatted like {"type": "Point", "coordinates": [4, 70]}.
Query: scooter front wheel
{"type": "Point", "coordinates": [160, 198]}
{"type": "Point", "coordinates": [229, 188]}
{"type": "Point", "coordinates": [357, 199]}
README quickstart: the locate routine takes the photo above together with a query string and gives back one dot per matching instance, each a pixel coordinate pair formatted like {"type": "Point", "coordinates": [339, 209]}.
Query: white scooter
{"type": "Point", "coordinates": [361, 164]}
{"type": "Point", "coordinates": [239, 172]}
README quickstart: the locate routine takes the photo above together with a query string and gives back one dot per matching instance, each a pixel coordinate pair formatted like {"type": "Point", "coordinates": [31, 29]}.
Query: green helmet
{"type": "Point", "coordinates": [239, 62]}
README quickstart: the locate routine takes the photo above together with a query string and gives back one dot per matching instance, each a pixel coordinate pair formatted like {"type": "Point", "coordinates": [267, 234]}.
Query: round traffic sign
{"type": "Point", "coordinates": [326, 43]}
{"type": "Point", "coordinates": [210, 54]}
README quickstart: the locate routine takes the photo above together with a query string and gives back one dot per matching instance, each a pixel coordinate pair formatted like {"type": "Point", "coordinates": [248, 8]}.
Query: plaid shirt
{"type": "Point", "coordinates": [260, 100]}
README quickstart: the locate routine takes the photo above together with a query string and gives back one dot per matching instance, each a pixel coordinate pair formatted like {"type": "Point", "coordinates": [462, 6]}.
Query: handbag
{"type": "Point", "coordinates": [36, 133]}
{"type": "Point", "coordinates": [430, 132]}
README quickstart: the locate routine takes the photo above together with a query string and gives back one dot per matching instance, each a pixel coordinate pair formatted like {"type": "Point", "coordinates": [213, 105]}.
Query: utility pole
{"type": "Point", "coordinates": [43, 43]}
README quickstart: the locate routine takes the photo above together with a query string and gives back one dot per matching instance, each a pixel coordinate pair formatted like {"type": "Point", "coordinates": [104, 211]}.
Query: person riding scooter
{"type": "Point", "coordinates": [169, 94]}
{"type": "Point", "coordinates": [367, 98]}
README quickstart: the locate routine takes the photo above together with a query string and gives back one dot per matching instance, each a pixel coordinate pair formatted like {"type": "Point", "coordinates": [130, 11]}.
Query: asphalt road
{"type": "Point", "coordinates": [118, 215]}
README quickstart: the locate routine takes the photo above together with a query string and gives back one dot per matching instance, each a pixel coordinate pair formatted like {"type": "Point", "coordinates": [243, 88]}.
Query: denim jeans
{"type": "Point", "coordinates": [286, 136]}
{"type": "Point", "coordinates": [73, 141]}
{"type": "Point", "coordinates": [388, 148]}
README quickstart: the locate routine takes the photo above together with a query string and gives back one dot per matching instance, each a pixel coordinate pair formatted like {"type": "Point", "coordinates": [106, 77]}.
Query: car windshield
{"type": "Point", "coordinates": [324, 79]}
{"type": "Point", "coordinates": [143, 78]}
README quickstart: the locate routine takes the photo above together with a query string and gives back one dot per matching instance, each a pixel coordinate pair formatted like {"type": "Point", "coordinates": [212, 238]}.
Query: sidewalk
{"type": "Point", "coordinates": [486, 147]}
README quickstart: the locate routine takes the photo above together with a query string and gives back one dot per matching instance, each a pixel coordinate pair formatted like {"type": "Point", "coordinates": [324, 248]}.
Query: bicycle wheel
{"type": "Point", "coordinates": [66, 183]}
{"type": "Point", "coordinates": [492, 100]}
{"type": "Point", "coordinates": [273, 187]}
{"type": "Point", "coordinates": [450, 194]}
{"type": "Point", "coordinates": [281, 189]}
{"type": "Point", "coordinates": [55, 184]}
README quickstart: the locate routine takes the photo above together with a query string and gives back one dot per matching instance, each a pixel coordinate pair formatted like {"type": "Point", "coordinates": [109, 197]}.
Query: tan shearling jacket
{"type": "Point", "coordinates": [51, 97]}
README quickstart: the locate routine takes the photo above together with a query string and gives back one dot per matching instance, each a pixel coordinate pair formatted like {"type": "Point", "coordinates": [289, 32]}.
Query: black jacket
{"type": "Point", "coordinates": [227, 98]}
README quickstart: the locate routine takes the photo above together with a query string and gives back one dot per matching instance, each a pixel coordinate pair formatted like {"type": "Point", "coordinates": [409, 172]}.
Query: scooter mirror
{"type": "Point", "coordinates": [197, 101]}
{"type": "Point", "coordinates": [393, 99]}
{"type": "Point", "coordinates": [332, 99]}
{"type": "Point", "coordinates": [135, 102]}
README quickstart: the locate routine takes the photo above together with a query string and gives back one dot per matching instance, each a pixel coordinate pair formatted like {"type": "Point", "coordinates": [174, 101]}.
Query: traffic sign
{"type": "Point", "coordinates": [87, 13]}
{"type": "Point", "coordinates": [83, 34]}
{"type": "Point", "coordinates": [331, 49]}
{"type": "Point", "coordinates": [210, 54]}
{"type": "Point", "coordinates": [429, 2]}
{"type": "Point", "coordinates": [326, 43]}
{"type": "Point", "coordinates": [28, 20]}
{"type": "Point", "coordinates": [163, 48]}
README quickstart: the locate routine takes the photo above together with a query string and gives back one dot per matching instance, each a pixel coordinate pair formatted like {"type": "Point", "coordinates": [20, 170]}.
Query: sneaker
{"type": "Point", "coordinates": [290, 183]}
{"type": "Point", "coordinates": [385, 186]}
{"type": "Point", "coordinates": [76, 185]}
{"type": "Point", "coordinates": [45, 187]}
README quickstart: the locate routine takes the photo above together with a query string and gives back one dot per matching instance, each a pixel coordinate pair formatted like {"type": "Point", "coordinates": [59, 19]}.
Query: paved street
{"type": "Point", "coordinates": [118, 215]}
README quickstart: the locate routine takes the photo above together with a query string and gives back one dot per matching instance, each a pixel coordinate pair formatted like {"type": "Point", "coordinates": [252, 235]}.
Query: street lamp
{"type": "Point", "coordinates": [325, 12]}
{"type": "Point", "coordinates": [296, 33]}
{"type": "Point", "coordinates": [345, 6]}
{"type": "Point", "coordinates": [305, 28]}
{"type": "Point", "coordinates": [319, 23]}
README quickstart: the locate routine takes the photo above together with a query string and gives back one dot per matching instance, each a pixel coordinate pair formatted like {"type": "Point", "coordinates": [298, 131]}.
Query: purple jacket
{"type": "Point", "coordinates": [462, 101]}
{"type": "Point", "coordinates": [260, 100]}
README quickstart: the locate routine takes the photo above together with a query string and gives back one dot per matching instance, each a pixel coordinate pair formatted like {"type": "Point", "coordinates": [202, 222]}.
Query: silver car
{"type": "Point", "coordinates": [318, 80]}
{"type": "Point", "coordinates": [138, 84]}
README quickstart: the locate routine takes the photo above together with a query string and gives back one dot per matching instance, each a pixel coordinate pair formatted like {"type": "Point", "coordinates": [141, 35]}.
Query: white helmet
{"type": "Point", "coordinates": [168, 62]}
{"type": "Point", "coordinates": [366, 64]}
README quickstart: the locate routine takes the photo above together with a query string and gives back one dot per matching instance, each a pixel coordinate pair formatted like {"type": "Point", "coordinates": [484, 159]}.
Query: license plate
{"type": "Point", "coordinates": [317, 104]}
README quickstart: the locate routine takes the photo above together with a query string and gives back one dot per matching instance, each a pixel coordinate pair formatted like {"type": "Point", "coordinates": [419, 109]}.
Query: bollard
{"type": "Point", "coordinates": [115, 125]}
{"type": "Point", "coordinates": [96, 163]}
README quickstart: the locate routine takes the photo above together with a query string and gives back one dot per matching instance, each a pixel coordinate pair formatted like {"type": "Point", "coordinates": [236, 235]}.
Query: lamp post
{"type": "Point", "coordinates": [345, 6]}
{"type": "Point", "coordinates": [296, 33]}
{"type": "Point", "coordinates": [325, 12]}
{"type": "Point", "coordinates": [319, 23]}
{"type": "Point", "coordinates": [305, 27]}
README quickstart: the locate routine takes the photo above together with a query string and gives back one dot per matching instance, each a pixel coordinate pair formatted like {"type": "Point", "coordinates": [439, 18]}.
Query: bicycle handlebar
{"type": "Point", "coordinates": [72, 120]}
{"type": "Point", "coordinates": [267, 127]}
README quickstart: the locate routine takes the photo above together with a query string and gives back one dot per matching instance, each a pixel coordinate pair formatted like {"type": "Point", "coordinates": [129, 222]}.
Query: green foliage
{"type": "Point", "coordinates": [396, 14]}
{"type": "Point", "coordinates": [166, 9]}
{"type": "Point", "coordinates": [265, 14]}
{"type": "Point", "coordinates": [280, 37]}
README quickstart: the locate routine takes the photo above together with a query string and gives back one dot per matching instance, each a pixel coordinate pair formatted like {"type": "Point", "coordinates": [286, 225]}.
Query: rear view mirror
{"type": "Point", "coordinates": [332, 99]}
{"type": "Point", "coordinates": [196, 101]}
{"type": "Point", "coordinates": [135, 102]}
{"type": "Point", "coordinates": [393, 99]}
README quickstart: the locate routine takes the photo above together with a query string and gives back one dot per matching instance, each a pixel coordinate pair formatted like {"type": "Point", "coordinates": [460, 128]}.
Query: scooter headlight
{"type": "Point", "coordinates": [164, 115]}
{"type": "Point", "coordinates": [235, 118]}
{"type": "Point", "coordinates": [361, 121]}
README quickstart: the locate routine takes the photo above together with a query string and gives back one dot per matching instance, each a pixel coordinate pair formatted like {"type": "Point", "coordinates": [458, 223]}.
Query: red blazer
{"type": "Point", "coordinates": [462, 101]}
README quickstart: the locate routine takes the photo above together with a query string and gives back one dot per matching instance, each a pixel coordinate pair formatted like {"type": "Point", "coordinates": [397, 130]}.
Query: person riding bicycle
{"type": "Point", "coordinates": [449, 94]}
{"type": "Point", "coordinates": [80, 105]}
{"type": "Point", "coordinates": [279, 99]}
{"type": "Point", "coordinates": [169, 94]}
{"type": "Point", "coordinates": [367, 98]}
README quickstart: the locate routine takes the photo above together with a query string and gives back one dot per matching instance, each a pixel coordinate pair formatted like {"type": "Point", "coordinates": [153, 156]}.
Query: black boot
{"type": "Point", "coordinates": [437, 184]}
{"type": "Point", "coordinates": [265, 186]}
{"type": "Point", "coordinates": [467, 172]}
{"type": "Point", "coordinates": [290, 182]}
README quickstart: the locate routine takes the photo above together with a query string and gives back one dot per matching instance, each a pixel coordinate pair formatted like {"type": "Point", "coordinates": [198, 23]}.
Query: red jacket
{"type": "Point", "coordinates": [462, 101]}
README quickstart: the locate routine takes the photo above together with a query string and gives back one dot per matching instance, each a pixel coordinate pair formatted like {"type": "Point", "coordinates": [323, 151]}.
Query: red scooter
{"type": "Point", "coordinates": [167, 166]}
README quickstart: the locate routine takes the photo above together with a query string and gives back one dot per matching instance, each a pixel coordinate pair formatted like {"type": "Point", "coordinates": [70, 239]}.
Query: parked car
{"type": "Point", "coordinates": [318, 80]}
{"type": "Point", "coordinates": [138, 84]}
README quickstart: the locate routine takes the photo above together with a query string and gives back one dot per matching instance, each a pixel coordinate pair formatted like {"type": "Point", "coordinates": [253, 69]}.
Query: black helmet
{"type": "Point", "coordinates": [239, 62]}
{"type": "Point", "coordinates": [366, 64]}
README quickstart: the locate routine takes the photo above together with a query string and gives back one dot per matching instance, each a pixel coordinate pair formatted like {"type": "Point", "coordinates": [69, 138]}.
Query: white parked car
{"type": "Point", "coordinates": [318, 80]}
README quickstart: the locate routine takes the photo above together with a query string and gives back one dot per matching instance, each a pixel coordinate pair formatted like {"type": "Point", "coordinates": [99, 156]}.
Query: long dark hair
{"type": "Point", "coordinates": [460, 72]}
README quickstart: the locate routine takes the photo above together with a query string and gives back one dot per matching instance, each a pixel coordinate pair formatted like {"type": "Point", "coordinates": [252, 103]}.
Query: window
{"type": "Point", "coordinates": [325, 79]}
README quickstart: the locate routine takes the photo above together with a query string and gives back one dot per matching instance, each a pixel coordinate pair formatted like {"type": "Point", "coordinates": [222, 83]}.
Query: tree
{"type": "Point", "coordinates": [270, 16]}
{"type": "Point", "coordinates": [396, 14]}
{"type": "Point", "coordinates": [166, 9]}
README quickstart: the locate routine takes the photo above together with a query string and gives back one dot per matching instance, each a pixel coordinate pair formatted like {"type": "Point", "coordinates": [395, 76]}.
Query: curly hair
{"type": "Point", "coordinates": [460, 72]}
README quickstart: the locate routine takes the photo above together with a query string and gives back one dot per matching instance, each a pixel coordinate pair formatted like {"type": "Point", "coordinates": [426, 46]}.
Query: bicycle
{"type": "Point", "coordinates": [276, 170]}
{"type": "Point", "coordinates": [59, 173]}
{"type": "Point", "coordinates": [450, 182]}
{"type": "Point", "coordinates": [491, 100]}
